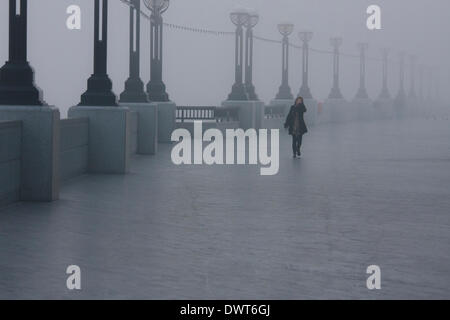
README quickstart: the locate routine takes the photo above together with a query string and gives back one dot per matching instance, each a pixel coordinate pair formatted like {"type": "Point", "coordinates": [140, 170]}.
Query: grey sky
{"type": "Point", "coordinates": [198, 68]}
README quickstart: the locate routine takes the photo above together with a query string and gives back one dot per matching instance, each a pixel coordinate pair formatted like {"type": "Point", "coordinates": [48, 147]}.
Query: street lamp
{"type": "Point", "coordinates": [99, 90]}
{"type": "Point", "coordinates": [401, 96]}
{"type": "Point", "coordinates": [134, 87]}
{"type": "Point", "coordinates": [305, 37]}
{"type": "Point", "coordinates": [239, 18]}
{"type": "Point", "coordinates": [156, 88]}
{"type": "Point", "coordinates": [16, 76]}
{"type": "Point", "coordinates": [284, 92]}
{"type": "Point", "coordinates": [385, 91]}
{"type": "Point", "coordinates": [336, 91]}
{"type": "Point", "coordinates": [362, 92]}
{"type": "Point", "coordinates": [412, 90]}
{"type": "Point", "coordinates": [252, 21]}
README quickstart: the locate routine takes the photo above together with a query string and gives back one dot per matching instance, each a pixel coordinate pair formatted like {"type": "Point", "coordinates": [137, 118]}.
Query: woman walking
{"type": "Point", "coordinates": [296, 124]}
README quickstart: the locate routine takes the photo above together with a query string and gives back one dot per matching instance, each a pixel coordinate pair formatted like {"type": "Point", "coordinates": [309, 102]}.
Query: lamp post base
{"type": "Point", "coordinates": [335, 94]}
{"type": "Point", "coordinates": [251, 92]}
{"type": "Point", "coordinates": [238, 93]}
{"type": "Point", "coordinates": [99, 92]}
{"type": "Point", "coordinates": [134, 91]}
{"type": "Point", "coordinates": [156, 91]}
{"type": "Point", "coordinates": [362, 94]}
{"type": "Point", "coordinates": [305, 93]}
{"type": "Point", "coordinates": [284, 93]}
{"type": "Point", "coordinates": [17, 85]}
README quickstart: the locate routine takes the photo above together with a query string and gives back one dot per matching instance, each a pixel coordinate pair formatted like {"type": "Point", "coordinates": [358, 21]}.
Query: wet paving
{"type": "Point", "coordinates": [362, 194]}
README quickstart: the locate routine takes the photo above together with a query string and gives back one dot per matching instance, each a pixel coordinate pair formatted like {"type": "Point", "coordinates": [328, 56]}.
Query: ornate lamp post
{"type": "Point", "coordinates": [99, 91]}
{"type": "Point", "coordinates": [156, 88]}
{"type": "Point", "coordinates": [284, 92]}
{"type": "Point", "coordinates": [239, 19]}
{"type": "Point", "coordinates": [16, 76]}
{"type": "Point", "coordinates": [385, 91]}
{"type": "Point", "coordinates": [336, 91]}
{"type": "Point", "coordinates": [362, 92]}
{"type": "Point", "coordinates": [253, 19]}
{"type": "Point", "coordinates": [400, 99]}
{"type": "Point", "coordinates": [412, 89]}
{"type": "Point", "coordinates": [305, 37]}
{"type": "Point", "coordinates": [134, 87]}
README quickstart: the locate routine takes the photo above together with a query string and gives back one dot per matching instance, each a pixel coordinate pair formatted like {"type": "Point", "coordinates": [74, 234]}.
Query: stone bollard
{"type": "Point", "coordinates": [166, 120]}
{"type": "Point", "coordinates": [147, 126]}
{"type": "Point", "coordinates": [109, 137]}
{"type": "Point", "coordinates": [251, 113]}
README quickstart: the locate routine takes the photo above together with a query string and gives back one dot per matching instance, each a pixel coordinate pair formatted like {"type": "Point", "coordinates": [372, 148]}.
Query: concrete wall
{"type": "Point", "coordinates": [74, 147]}
{"type": "Point", "coordinates": [10, 161]}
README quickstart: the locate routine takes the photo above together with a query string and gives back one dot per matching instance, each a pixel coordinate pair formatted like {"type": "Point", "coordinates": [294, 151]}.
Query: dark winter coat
{"type": "Point", "coordinates": [296, 111]}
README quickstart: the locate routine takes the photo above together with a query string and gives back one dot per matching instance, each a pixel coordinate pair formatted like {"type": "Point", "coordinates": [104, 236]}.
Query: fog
{"type": "Point", "coordinates": [199, 68]}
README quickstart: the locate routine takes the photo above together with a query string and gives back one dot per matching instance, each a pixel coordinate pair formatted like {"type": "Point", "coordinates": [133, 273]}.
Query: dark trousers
{"type": "Point", "coordinates": [296, 143]}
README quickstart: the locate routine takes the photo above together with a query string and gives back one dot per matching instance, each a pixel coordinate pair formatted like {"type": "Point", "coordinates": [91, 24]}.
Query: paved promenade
{"type": "Point", "coordinates": [363, 194]}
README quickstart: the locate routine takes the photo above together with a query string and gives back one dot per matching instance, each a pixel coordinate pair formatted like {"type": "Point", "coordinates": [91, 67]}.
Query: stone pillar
{"type": "Point", "coordinates": [147, 126]}
{"type": "Point", "coordinates": [251, 113]}
{"type": "Point", "coordinates": [109, 137]}
{"type": "Point", "coordinates": [166, 120]}
{"type": "Point", "coordinates": [40, 150]}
